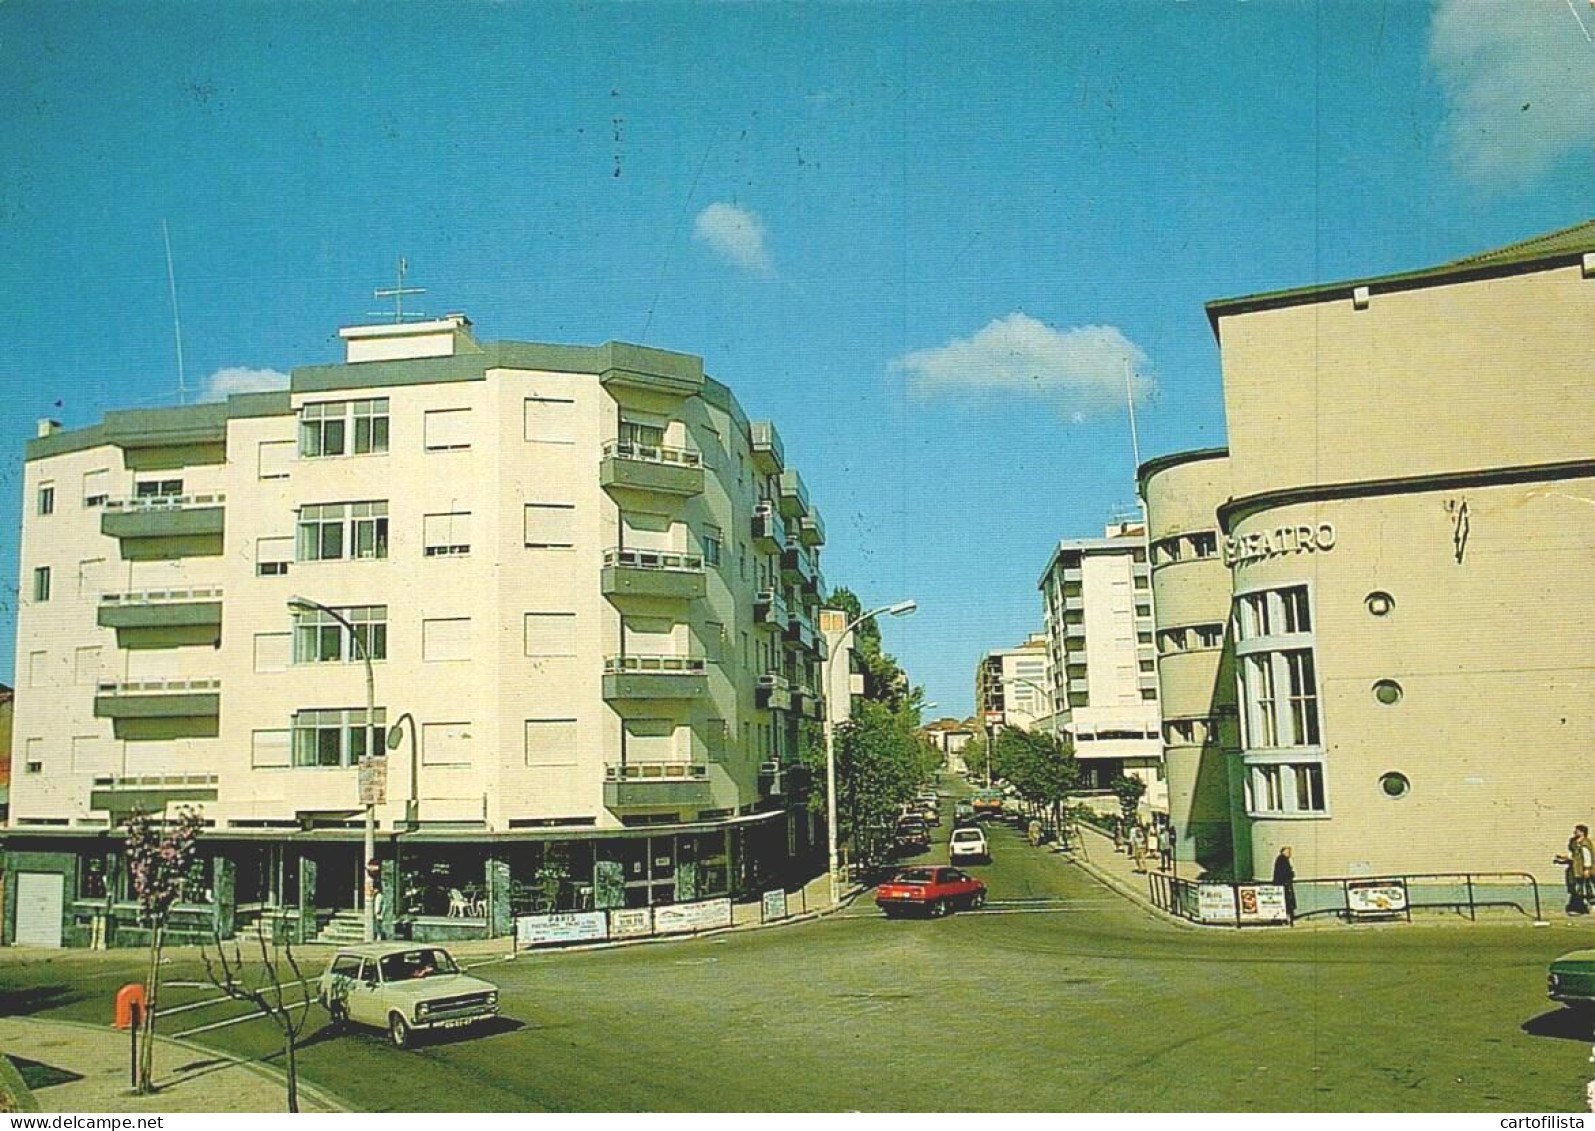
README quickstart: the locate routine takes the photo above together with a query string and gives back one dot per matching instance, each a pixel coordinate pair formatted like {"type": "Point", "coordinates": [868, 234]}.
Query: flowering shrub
{"type": "Point", "coordinates": [162, 862]}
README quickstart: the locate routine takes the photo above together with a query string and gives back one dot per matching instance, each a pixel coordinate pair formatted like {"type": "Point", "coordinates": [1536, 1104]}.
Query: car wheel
{"type": "Point", "coordinates": [938, 909]}
{"type": "Point", "coordinates": [399, 1032]}
{"type": "Point", "coordinates": [977, 901]}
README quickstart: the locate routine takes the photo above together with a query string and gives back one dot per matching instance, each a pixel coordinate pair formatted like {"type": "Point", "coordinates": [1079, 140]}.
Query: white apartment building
{"type": "Point", "coordinates": [1097, 599]}
{"type": "Point", "coordinates": [587, 585]}
{"type": "Point", "coordinates": [1013, 685]}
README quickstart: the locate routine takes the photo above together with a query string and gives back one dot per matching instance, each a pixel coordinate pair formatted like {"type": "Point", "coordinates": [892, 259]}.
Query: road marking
{"type": "Point", "coordinates": [240, 1020]}
{"type": "Point", "coordinates": [215, 1000]}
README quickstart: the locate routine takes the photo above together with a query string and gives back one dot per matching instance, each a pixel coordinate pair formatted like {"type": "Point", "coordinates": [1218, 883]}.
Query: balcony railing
{"type": "Point", "coordinates": [656, 771]}
{"type": "Point", "coordinates": [654, 559]}
{"type": "Point", "coordinates": [137, 503]}
{"type": "Point", "coordinates": [664, 665]}
{"type": "Point", "coordinates": [794, 495]}
{"type": "Point", "coordinates": [651, 467]}
{"type": "Point", "coordinates": [149, 792]}
{"type": "Point", "coordinates": [769, 610]}
{"type": "Point", "coordinates": [641, 785]}
{"type": "Point", "coordinates": [769, 456]}
{"type": "Point", "coordinates": [773, 693]}
{"type": "Point", "coordinates": [652, 453]}
{"type": "Point", "coordinates": [159, 597]}
{"type": "Point", "coordinates": [160, 708]}
{"type": "Point", "coordinates": [161, 687]}
{"type": "Point", "coordinates": [162, 618]}
{"type": "Point", "coordinates": [769, 531]}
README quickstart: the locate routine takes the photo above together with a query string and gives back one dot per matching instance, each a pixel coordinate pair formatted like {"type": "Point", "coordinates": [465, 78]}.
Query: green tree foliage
{"type": "Point", "coordinates": [1129, 790]}
{"type": "Point", "coordinates": [1041, 768]}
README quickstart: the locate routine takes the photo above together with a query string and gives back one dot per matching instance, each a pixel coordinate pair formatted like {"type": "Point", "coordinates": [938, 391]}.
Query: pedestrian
{"type": "Point", "coordinates": [1167, 845]}
{"type": "Point", "coordinates": [374, 897]}
{"type": "Point", "coordinates": [1118, 834]}
{"type": "Point", "coordinates": [1154, 845]}
{"type": "Point", "coordinates": [1580, 862]}
{"type": "Point", "coordinates": [1138, 846]}
{"type": "Point", "coordinates": [1285, 877]}
{"type": "Point", "coordinates": [1033, 832]}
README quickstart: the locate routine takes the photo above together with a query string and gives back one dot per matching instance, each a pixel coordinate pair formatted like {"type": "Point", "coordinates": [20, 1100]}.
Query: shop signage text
{"type": "Point", "coordinates": [774, 904]}
{"type": "Point", "coordinates": [1243, 549]}
{"type": "Point", "coordinates": [569, 927]}
{"type": "Point", "coordinates": [670, 918]}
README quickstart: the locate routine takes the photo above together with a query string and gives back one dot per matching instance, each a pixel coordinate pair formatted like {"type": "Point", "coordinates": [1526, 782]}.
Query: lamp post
{"type": "Point", "coordinates": [901, 608]}
{"type": "Point", "coordinates": [1036, 687]}
{"type": "Point", "coordinates": [412, 807]}
{"type": "Point", "coordinates": [305, 604]}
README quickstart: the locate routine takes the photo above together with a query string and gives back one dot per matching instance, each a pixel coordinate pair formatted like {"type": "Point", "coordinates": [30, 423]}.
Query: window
{"type": "Point", "coordinates": [1205, 544]}
{"type": "Point", "coordinates": [1209, 635]}
{"type": "Point", "coordinates": [1380, 603]}
{"type": "Point", "coordinates": [447, 429]}
{"type": "Point", "coordinates": [275, 459]}
{"type": "Point", "coordinates": [446, 744]}
{"type": "Point", "coordinates": [637, 434]}
{"type": "Point", "coordinates": [1387, 691]}
{"type": "Point", "coordinates": [47, 498]}
{"type": "Point", "coordinates": [550, 420]}
{"type": "Point", "coordinates": [41, 583]}
{"type": "Point", "coordinates": [90, 573]}
{"type": "Point", "coordinates": [550, 634]}
{"type": "Point", "coordinates": [274, 651]}
{"type": "Point", "coordinates": [335, 737]}
{"type": "Point", "coordinates": [446, 534]}
{"type": "Point", "coordinates": [272, 556]}
{"type": "Point", "coordinates": [1394, 785]}
{"type": "Point", "coordinates": [445, 639]}
{"type": "Point", "coordinates": [95, 487]}
{"type": "Point", "coordinates": [320, 639]}
{"type": "Point", "coordinates": [39, 669]}
{"type": "Point", "coordinates": [1258, 694]}
{"type": "Point", "coordinates": [1286, 787]}
{"type": "Point", "coordinates": [1278, 686]}
{"type": "Point", "coordinates": [712, 545]}
{"type": "Point", "coordinates": [33, 758]}
{"type": "Point", "coordinates": [86, 666]}
{"type": "Point", "coordinates": [158, 489]}
{"type": "Point", "coordinates": [550, 526]}
{"type": "Point", "coordinates": [1302, 697]}
{"type": "Point", "coordinates": [331, 531]}
{"type": "Point", "coordinates": [325, 427]}
{"type": "Point", "coordinates": [551, 742]}
{"type": "Point", "coordinates": [270, 749]}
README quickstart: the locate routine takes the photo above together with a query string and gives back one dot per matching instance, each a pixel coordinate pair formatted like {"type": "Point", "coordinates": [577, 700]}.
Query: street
{"type": "Point", "coordinates": [1060, 995]}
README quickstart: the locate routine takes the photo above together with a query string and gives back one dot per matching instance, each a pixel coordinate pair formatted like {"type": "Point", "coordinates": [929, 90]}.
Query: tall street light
{"type": "Point", "coordinates": [304, 605]}
{"type": "Point", "coordinates": [1045, 695]}
{"type": "Point", "coordinates": [901, 608]}
{"type": "Point", "coordinates": [412, 808]}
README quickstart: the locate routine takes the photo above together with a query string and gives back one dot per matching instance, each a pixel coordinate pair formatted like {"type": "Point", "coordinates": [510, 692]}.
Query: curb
{"type": "Point", "coordinates": [275, 1075]}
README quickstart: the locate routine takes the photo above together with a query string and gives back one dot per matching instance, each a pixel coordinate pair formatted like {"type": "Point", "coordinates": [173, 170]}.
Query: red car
{"type": "Point", "coordinates": [935, 891]}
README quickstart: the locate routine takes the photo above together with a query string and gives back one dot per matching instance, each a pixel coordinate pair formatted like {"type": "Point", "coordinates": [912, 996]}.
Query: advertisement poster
{"type": "Point", "coordinates": [676, 917]}
{"type": "Point", "coordinates": [1368, 899]}
{"type": "Point", "coordinates": [549, 930]}
{"type": "Point", "coordinates": [775, 904]}
{"type": "Point", "coordinates": [1262, 903]}
{"type": "Point", "coordinates": [631, 923]}
{"type": "Point", "coordinates": [1215, 903]}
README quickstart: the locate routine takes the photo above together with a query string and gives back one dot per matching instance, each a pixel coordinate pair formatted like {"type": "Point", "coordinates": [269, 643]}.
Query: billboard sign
{"type": "Point", "coordinates": [1372, 899]}
{"type": "Point", "coordinates": [1261, 903]}
{"type": "Point", "coordinates": [673, 918]}
{"type": "Point", "coordinates": [564, 927]}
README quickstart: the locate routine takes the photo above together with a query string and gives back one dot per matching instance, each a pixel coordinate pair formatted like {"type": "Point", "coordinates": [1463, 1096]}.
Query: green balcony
{"type": "Point", "coordinates": [811, 529]}
{"type": "Point", "coordinates": [800, 632]}
{"type": "Point", "coordinates": [794, 495]}
{"type": "Point", "coordinates": [166, 527]}
{"type": "Point", "coordinates": [773, 693]}
{"type": "Point", "coordinates": [654, 574]}
{"type": "Point", "coordinates": [163, 618]}
{"type": "Point", "coordinates": [655, 677]}
{"type": "Point", "coordinates": [657, 785]}
{"type": "Point", "coordinates": [769, 532]}
{"type": "Point", "coordinates": [648, 467]}
{"type": "Point", "coordinates": [807, 702]}
{"type": "Point", "coordinates": [154, 710]}
{"type": "Point", "coordinates": [769, 456]}
{"type": "Point", "coordinates": [769, 610]}
{"type": "Point", "coordinates": [149, 794]}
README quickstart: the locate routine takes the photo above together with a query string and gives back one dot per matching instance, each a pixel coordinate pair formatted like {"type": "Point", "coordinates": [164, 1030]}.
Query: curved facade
{"type": "Point", "coordinates": [1191, 591]}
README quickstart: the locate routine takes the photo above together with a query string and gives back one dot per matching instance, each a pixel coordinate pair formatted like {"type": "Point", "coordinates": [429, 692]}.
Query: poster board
{"type": "Point", "coordinates": [561, 927]}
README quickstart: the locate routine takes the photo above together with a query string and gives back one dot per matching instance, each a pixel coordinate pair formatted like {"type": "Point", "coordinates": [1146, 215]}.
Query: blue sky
{"type": "Point", "coordinates": [922, 238]}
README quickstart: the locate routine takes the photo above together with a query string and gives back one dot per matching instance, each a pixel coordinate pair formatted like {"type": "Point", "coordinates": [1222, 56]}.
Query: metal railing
{"type": "Point", "coordinates": [165, 502]}
{"type": "Point", "coordinates": [654, 559]}
{"type": "Point", "coordinates": [160, 596]}
{"type": "Point", "coordinates": [159, 686]}
{"type": "Point", "coordinates": [1332, 895]}
{"type": "Point", "coordinates": [146, 781]}
{"type": "Point", "coordinates": [668, 665]}
{"type": "Point", "coordinates": [652, 453]}
{"type": "Point", "coordinates": [656, 771]}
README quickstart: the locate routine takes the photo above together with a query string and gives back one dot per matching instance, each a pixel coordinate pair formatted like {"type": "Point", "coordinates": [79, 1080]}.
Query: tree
{"type": "Point", "coordinates": [1129, 790]}
{"type": "Point", "coordinates": [265, 991]}
{"type": "Point", "coordinates": [1040, 767]}
{"type": "Point", "coordinates": [161, 861]}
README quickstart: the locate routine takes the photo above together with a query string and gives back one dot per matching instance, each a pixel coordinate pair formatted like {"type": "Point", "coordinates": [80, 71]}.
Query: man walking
{"type": "Point", "coordinates": [1580, 861]}
{"type": "Point", "coordinates": [1285, 877]}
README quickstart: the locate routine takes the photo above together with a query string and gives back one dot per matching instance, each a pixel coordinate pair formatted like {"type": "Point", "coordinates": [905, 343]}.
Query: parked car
{"type": "Point", "coordinates": [934, 891]}
{"type": "Point", "coordinates": [968, 844]}
{"type": "Point", "coordinates": [963, 814]}
{"type": "Point", "coordinates": [1572, 980]}
{"type": "Point", "coordinates": [912, 835]}
{"type": "Point", "coordinates": [403, 987]}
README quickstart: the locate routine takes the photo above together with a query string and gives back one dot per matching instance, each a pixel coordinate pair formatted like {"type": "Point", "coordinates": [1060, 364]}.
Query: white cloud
{"type": "Point", "coordinates": [1078, 371]}
{"type": "Point", "coordinates": [225, 382]}
{"type": "Point", "coordinates": [735, 234]}
{"type": "Point", "coordinates": [1519, 79]}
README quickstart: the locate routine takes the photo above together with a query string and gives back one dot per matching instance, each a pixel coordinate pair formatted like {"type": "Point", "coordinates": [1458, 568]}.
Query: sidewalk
{"type": "Point", "coordinates": [73, 1067]}
{"type": "Point", "coordinates": [1117, 871]}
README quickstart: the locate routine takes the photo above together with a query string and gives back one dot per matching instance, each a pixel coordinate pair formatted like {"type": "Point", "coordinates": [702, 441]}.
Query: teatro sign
{"type": "Point", "coordinates": [1243, 549]}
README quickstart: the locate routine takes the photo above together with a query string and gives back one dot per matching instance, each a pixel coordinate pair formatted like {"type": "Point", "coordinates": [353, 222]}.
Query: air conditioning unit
{"type": "Point", "coordinates": [770, 774]}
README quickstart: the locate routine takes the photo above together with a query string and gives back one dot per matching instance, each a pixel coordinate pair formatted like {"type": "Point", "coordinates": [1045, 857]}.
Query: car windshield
{"type": "Point", "coordinates": [427, 962]}
{"type": "Point", "coordinates": [968, 834]}
{"type": "Point", "coordinates": [915, 876]}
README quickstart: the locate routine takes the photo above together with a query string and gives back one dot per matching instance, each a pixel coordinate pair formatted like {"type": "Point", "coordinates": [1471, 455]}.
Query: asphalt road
{"type": "Point", "coordinates": [1058, 996]}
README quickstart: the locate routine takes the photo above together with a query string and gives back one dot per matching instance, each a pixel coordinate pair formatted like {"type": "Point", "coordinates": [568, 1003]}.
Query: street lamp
{"type": "Point", "coordinates": [1038, 689]}
{"type": "Point", "coordinates": [412, 808]}
{"type": "Point", "coordinates": [900, 609]}
{"type": "Point", "coordinates": [304, 605]}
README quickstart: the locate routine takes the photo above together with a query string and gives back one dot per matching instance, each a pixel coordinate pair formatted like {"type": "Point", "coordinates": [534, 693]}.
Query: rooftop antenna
{"type": "Point", "coordinates": [397, 294]}
{"type": "Point", "coordinates": [1129, 397]}
{"type": "Point", "coordinates": [177, 326]}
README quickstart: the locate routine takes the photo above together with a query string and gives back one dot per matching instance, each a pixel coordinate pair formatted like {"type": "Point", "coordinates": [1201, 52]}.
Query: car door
{"type": "Point", "coordinates": [365, 1005]}
{"type": "Point", "coordinates": [959, 886]}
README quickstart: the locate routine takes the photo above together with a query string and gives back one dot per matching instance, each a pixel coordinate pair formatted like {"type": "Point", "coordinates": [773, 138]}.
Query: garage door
{"type": "Point", "coordinates": [39, 908]}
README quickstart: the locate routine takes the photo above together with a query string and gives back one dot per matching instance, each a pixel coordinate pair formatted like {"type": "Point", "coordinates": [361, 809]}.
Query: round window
{"type": "Point", "coordinates": [1394, 784]}
{"type": "Point", "coordinates": [1387, 691]}
{"type": "Point", "coordinates": [1380, 603]}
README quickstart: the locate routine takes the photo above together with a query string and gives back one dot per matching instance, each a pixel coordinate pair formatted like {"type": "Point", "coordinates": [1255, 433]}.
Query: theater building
{"type": "Point", "coordinates": [1406, 515]}
{"type": "Point", "coordinates": [587, 586]}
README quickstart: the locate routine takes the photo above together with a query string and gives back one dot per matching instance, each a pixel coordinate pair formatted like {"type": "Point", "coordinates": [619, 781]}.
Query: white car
{"type": "Point", "coordinates": [403, 987]}
{"type": "Point", "coordinates": [968, 843]}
